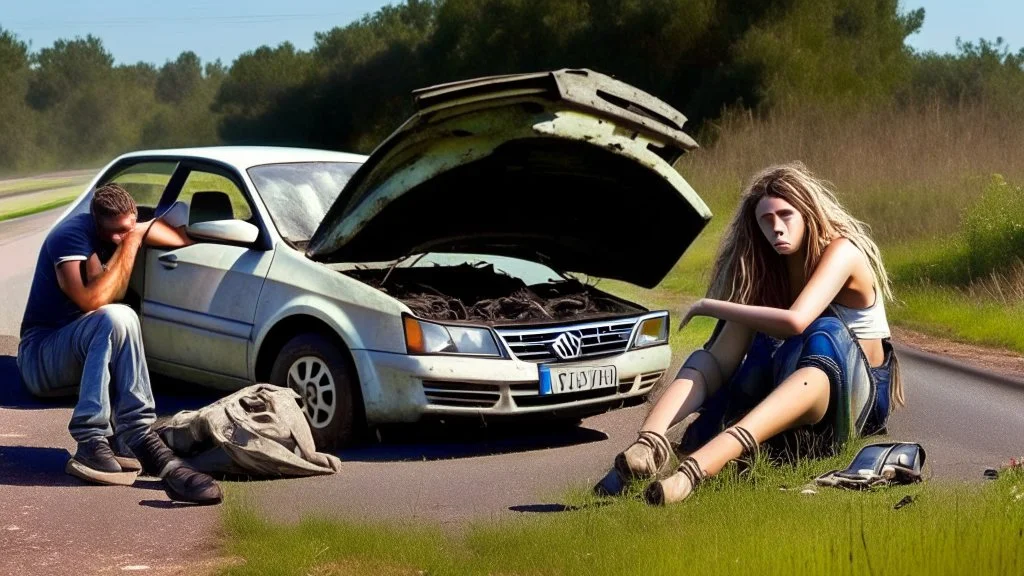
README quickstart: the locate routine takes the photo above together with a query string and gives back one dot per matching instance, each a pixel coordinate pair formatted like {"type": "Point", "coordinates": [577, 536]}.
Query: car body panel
{"type": "Point", "coordinates": [209, 324]}
{"type": "Point", "coordinates": [363, 317]}
{"type": "Point", "coordinates": [581, 184]}
{"type": "Point", "coordinates": [394, 384]}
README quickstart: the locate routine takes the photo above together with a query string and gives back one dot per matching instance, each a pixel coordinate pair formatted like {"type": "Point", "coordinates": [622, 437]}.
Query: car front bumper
{"type": "Point", "coordinates": [404, 388]}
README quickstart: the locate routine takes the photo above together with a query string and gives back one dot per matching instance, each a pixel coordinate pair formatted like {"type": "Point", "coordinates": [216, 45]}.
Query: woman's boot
{"type": "Point", "coordinates": [648, 457]}
{"type": "Point", "coordinates": [676, 487]}
{"type": "Point", "coordinates": [689, 474]}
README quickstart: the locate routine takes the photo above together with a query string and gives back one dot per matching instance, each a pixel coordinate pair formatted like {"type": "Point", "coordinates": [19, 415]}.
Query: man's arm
{"type": "Point", "coordinates": [162, 235]}
{"type": "Point", "coordinates": [110, 285]}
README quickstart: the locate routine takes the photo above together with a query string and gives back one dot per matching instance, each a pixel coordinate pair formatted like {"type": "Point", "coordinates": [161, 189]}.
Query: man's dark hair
{"type": "Point", "coordinates": [111, 201]}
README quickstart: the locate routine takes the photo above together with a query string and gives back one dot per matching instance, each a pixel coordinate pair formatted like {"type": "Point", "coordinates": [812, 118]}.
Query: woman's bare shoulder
{"type": "Point", "coordinates": [861, 278]}
{"type": "Point", "coordinates": [843, 247]}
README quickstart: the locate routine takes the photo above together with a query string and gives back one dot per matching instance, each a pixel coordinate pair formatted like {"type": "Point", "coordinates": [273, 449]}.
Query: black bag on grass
{"type": "Point", "coordinates": [879, 464]}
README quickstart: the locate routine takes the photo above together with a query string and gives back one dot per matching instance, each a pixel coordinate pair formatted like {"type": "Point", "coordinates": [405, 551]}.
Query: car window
{"type": "Point", "coordinates": [208, 208]}
{"type": "Point", "coordinates": [145, 182]}
{"type": "Point", "coordinates": [298, 195]}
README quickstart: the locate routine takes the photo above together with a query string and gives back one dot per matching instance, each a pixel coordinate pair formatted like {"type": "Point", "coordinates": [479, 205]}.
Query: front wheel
{"type": "Point", "coordinates": [319, 372]}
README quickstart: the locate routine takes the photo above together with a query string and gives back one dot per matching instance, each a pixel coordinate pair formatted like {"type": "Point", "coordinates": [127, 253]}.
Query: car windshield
{"type": "Point", "coordinates": [298, 195]}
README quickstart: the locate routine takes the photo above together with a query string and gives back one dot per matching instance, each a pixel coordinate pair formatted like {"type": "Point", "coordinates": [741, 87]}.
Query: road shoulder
{"type": "Point", "coordinates": [984, 361]}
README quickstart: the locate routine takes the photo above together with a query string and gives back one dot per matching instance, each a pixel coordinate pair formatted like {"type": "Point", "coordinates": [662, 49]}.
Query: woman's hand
{"type": "Point", "coordinates": [696, 309]}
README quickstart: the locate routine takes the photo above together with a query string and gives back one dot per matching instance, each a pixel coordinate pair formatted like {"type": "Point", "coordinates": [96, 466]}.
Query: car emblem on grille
{"type": "Point", "coordinates": [568, 345]}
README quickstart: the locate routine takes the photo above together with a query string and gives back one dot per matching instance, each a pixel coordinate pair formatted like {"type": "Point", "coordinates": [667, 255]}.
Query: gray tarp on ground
{"type": "Point", "coordinates": [259, 431]}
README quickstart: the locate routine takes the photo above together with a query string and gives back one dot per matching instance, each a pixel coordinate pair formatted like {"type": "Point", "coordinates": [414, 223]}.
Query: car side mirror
{"type": "Point", "coordinates": [238, 231]}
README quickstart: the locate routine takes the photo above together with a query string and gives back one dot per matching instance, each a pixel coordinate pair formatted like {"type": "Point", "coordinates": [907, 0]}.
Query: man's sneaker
{"type": "Point", "coordinates": [94, 461]}
{"type": "Point", "coordinates": [124, 456]}
{"type": "Point", "coordinates": [96, 454]}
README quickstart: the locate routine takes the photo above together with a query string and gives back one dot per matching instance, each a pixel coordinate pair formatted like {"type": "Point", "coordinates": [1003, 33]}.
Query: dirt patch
{"type": "Point", "coordinates": [469, 292]}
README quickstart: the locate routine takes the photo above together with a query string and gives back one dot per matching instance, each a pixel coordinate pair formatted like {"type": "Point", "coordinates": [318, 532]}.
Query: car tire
{"type": "Point", "coordinates": [320, 372]}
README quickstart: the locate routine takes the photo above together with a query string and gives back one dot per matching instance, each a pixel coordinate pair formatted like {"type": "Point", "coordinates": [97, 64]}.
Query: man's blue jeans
{"type": "Point", "coordinates": [100, 357]}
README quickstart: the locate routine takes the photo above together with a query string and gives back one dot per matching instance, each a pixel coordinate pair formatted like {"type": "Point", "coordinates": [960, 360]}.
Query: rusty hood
{"type": "Point", "coordinates": [570, 168]}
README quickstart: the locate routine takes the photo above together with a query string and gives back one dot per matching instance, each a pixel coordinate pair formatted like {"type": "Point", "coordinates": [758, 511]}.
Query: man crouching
{"type": "Point", "coordinates": [75, 338]}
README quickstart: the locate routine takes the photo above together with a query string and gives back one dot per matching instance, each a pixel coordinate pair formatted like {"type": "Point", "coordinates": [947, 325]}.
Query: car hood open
{"type": "Point", "coordinates": [569, 168]}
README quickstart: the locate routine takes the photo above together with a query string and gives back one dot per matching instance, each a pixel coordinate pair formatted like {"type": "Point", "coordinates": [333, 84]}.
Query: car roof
{"type": "Point", "coordinates": [244, 157]}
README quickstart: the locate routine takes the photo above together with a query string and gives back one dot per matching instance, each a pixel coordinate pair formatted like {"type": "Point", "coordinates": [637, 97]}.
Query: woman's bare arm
{"type": "Point", "coordinates": [834, 270]}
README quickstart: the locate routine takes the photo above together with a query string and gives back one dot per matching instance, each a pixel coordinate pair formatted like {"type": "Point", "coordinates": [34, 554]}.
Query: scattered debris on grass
{"type": "Point", "coordinates": [908, 499]}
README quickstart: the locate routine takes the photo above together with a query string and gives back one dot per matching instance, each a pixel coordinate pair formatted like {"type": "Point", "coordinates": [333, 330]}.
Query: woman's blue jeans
{"type": "Point", "coordinates": [858, 394]}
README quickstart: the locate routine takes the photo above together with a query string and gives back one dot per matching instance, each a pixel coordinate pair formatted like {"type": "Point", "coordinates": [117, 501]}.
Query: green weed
{"type": "Point", "coordinates": [29, 185]}
{"type": "Point", "coordinates": [37, 208]}
{"type": "Point", "coordinates": [993, 230]}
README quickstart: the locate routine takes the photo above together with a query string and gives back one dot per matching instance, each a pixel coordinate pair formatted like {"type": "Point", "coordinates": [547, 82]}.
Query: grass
{"type": "Point", "coordinates": [29, 185]}
{"type": "Point", "coordinates": [947, 312]}
{"type": "Point", "coordinates": [732, 525]}
{"type": "Point", "coordinates": [11, 208]}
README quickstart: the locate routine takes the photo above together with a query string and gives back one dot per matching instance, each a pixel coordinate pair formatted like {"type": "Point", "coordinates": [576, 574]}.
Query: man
{"type": "Point", "coordinates": [74, 337]}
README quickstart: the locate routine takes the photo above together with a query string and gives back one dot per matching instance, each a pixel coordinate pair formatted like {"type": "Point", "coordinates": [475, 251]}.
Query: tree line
{"type": "Point", "coordinates": [68, 104]}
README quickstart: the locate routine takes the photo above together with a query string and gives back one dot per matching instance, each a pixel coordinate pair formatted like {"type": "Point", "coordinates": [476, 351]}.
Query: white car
{"type": "Point", "coordinates": [439, 275]}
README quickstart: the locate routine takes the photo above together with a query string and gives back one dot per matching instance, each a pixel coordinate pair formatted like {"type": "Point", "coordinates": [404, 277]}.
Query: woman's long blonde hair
{"type": "Point", "coordinates": [747, 270]}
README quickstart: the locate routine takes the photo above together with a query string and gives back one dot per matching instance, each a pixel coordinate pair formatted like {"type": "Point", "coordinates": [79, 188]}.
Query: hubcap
{"type": "Point", "coordinates": [310, 377]}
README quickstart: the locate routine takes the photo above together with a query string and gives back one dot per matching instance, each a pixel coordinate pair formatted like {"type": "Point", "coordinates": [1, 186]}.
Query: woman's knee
{"type": "Point", "coordinates": [825, 325]}
{"type": "Point", "coordinates": [826, 337]}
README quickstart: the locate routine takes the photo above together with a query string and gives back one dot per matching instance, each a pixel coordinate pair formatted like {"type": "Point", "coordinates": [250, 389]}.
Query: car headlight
{"type": "Point", "coordinates": [652, 331]}
{"type": "Point", "coordinates": [423, 337]}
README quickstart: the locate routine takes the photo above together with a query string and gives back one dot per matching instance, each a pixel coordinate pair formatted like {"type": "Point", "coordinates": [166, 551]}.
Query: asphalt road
{"type": "Point", "coordinates": [52, 523]}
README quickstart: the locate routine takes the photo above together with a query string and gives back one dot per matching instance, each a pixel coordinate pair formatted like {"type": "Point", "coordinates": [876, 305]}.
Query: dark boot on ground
{"type": "Point", "coordinates": [94, 461]}
{"type": "Point", "coordinates": [181, 482]}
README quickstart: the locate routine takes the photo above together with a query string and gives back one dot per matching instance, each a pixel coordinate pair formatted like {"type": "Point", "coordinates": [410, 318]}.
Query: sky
{"type": "Point", "coordinates": [154, 32]}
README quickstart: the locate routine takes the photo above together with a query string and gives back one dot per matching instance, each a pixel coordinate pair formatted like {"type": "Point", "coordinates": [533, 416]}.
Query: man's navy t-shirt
{"type": "Point", "coordinates": [73, 240]}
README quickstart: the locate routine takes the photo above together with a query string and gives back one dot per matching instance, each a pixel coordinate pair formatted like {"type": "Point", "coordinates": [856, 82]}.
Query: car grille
{"type": "Point", "coordinates": [461, 394]}
{"type": "Point", "coordinates": [646, 380]}
{"type": "Point", "coordinates": [524, 394]}
{"type": "Point", "coordinates": [597, 339]}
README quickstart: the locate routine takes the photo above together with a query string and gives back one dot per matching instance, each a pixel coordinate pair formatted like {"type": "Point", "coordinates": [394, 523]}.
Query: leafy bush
{"type": "Point", "coordinates": [993, 229]}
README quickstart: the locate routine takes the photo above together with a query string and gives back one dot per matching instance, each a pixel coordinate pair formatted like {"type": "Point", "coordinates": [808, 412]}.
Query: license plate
{"type": "Point", "coordinates": [566, 379]}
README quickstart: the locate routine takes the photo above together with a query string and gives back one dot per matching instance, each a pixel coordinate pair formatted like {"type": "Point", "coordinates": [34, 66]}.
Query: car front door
{"type": "Point", "coordinates": [200, 300]}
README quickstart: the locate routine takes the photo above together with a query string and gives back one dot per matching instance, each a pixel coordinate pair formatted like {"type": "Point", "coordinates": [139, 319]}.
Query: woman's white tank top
{"type": "Point", "coordinates": [866, 323]}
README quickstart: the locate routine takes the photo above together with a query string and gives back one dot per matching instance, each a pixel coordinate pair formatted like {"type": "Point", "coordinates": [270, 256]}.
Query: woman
{"type": "Point", "coordinates": [802, 339]}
